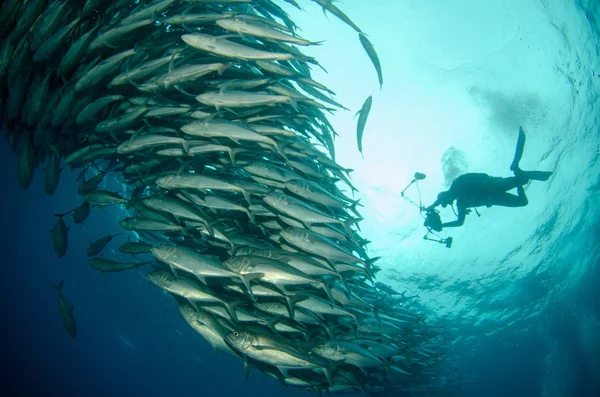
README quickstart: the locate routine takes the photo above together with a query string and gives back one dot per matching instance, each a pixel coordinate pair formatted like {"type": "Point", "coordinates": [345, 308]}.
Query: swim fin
{"type": "Point", "coordinates": [537, 175]}
{"type": "Point", "coordinates": [519, 150]}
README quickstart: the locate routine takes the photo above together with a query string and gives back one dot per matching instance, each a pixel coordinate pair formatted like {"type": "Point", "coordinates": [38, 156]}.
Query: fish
{"type": "Point", "coordinates": [60, 235]}
{"type": "Point", "coordinates": [135, 247]}
{"type": "Point", "coordinates": [81, 213]}
{"type": "Point", "coordinates": [270, 350]}
{"type": "Point", "coordinates": [194, 293]}
{"type": "Point", "coordinates": [329, 6]}
{"type": "Point", "coordinates": [370, 50]}
{"type": "Point", "coordinates": [149, 225]}
{"type": "Point", "coordinates": [200, 266]}
{"type": "Point", "coordinates": [103, 69]}
{"type": "Point", "coordinates": [234, 131]}
{"type": "Point", "coordinates": [303, 212]}
{"type": "Point", "coordinates": [188, 73]}
{"type": "Point", "coordinates": [108, 265]}
{"type": "Point", "coordinates": [53, 44]}
{"type": "Point", "coordinates": [90, 112]}
{"type": "Point", "coordinates": [237, 25]}
{"type": "Point", "coordinates": [321, 246]}
{"type": "Point", "coordinates": [143, 70]}
{"type": "Point", "coordinates": [102, 198]}
{"type": "Point", "coordinates": [144, 142]}
{"type": "Point", "coordinates": [112, 36]}
{"type": "Point", "coordinates": [349, 353]}
{"type": "Point", "coordinates": [90, 185]}
{"type": "Point", "coordinates": [363, 114]}
{"type": "Point", "coordinates": [272, 272]}
{"type": "Point", "coordinates": [65, 312]}
{"type": "Point", "coordinates": [179, 210]}
{"type": "Point", "coordinates": [230, 49]}
{"type": "Point", "coordinates": [97, 246]}
{"type": "Point", "coordinates": [207, 326]}
{"type": "Point", "coordinates": [75, 53]}
{"type": "Point", "coordinates": [52, 175]}
{"type": "Point", "coordinates": [214, 202]}
{"type": "Point", "coordinates": [199, 182]}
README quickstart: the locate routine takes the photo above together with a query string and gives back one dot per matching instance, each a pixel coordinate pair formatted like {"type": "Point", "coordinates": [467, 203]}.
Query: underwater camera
{"type": "Point", "coordinates": [433, 221]}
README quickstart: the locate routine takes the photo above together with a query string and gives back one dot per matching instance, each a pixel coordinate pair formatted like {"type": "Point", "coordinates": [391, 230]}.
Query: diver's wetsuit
{"type": "Point", "coordinates": [478, 189]}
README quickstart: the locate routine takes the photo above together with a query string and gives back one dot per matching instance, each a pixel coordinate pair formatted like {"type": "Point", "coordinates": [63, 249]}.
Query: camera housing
{"type": "Point", "coordinates": [433, 221]}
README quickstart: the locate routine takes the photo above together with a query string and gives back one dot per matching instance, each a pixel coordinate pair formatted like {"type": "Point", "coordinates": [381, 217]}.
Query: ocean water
{"type": "Point", "coordinates": [518, 291]}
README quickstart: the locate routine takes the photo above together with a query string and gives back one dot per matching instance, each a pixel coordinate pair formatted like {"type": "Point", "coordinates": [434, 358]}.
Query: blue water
{"type": "Point", "coordinates": [518, 291]}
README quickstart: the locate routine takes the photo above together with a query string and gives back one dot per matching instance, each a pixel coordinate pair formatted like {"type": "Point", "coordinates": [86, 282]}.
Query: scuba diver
{"type": "Point", "coordinates": [477, 189]}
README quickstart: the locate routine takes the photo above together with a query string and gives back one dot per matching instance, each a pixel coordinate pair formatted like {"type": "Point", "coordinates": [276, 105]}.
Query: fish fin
{"type": "Point", "coordinates": [247, 196]}
{"type": "Point", "coordinates": [326, 286]}
{"type": "Point", "coordinates": [184, 92]}
{"type": "Point", "coordinates": [369, 264]}
{"type": "Point", "coordinates": [354, 205]}
{"type": "Point", "coordinates": [284, 371]}
{"type": "Point", "coordinates": [279, 148]}
{"type": "Point", "coordinates": [172, 269]}
{"type": "Point", "coordinates": [246, 278]}
{"type": "Point", "coordinates": [247, 368]}
{"type": "Point", "coordinates": [221, 69]}
{"type": "Point", "coordinates": [186, 147]}
{"type": "Point", "coordinates": [231, 156]}
{"type": "Point", "coordinates": [194, 305]}
{"type": "Point", "coordinates": [251, 216]}
{"type": "Point", "coordinates": [290, 306]}
{"type": "Point", "coordinates": [230, 306]}
{"type": "Point", "coordinates": [348, 224]}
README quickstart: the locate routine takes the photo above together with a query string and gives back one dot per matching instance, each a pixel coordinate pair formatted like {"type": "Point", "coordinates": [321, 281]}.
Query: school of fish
{"type": "Point", "coordinates": [206, 113]}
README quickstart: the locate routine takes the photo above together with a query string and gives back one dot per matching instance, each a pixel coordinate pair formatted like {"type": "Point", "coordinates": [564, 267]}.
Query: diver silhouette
{"type": "Point", "coordinates": [477, 189]}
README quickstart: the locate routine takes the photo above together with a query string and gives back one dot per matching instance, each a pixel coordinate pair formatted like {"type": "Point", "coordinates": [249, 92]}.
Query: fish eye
{"type": "Point", "coordinates": [235, 333]}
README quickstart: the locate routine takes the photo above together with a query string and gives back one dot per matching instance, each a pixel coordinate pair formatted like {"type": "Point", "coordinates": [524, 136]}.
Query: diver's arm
{"type": "Point", "coordinates": [462, 213]}
{"type": "Point", "coordinates": [432, 206]}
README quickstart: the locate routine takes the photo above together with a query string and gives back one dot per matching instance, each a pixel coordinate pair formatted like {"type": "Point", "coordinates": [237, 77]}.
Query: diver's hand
{"type": "Point", "coordinates": [431, 207]}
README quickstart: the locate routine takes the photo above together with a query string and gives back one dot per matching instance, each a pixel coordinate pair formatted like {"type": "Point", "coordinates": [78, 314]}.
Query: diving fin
{"type": "Point", "coordinates": [537, 175]}
{"type": "Point", "coordinates": [519, 150]}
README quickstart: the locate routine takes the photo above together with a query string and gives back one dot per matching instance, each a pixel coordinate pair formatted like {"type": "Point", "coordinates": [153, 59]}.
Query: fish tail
{"type": "Point", "coordinates": [246, 278]}
{"type": "Point", "coordinates": [369, 266]}
{"type": "Point", "coordinates": [349, 223]}
{"type": "Point", "coordinates": [290, 306]}
{"type": "Point", "coordinates": [247, 196]}
{"type": "Point", "coordinates": [230, 306]}
{"type": "Point", "coordinates": [186, 147]}
{"type": "Point", "coordinates": [231, 156]}
{"type": "Point", "coordinates": [59, 285]}
{"type": "Point", "coordinates": [353, 207]}
{"type": "Point", "coordinates": [279, 148]}
{"type": "Point", "coordinates": [251, 216]}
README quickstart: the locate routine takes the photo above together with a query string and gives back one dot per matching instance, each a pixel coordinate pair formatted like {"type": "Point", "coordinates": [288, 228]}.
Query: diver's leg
{"type": "Point", "coordinates": [510, 200]}
{"type": "Point", "coordinates": [506, 184]}
{"type": "Point", "coordinates": [519, 150]}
